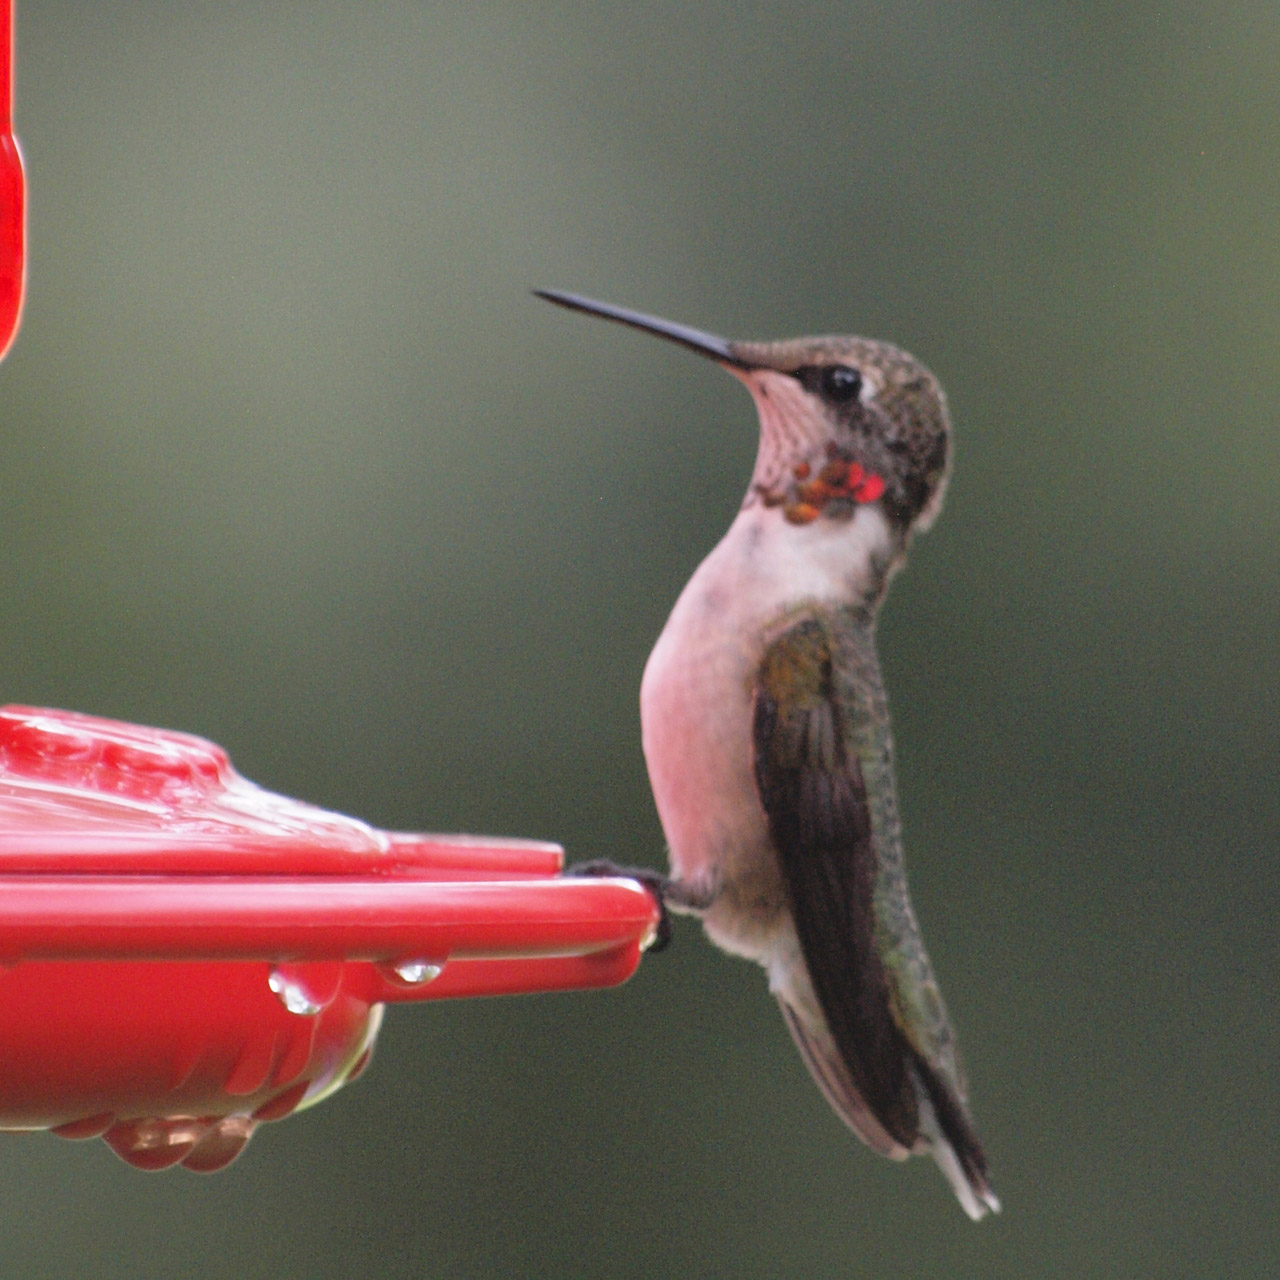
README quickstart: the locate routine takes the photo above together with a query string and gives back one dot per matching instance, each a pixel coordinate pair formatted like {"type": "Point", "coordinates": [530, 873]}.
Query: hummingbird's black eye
{"type": "Point", "coordinates": [838, 384]}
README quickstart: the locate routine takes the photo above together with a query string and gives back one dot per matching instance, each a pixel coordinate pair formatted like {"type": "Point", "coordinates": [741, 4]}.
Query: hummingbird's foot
{"type": "Point", "coordinates": [657, 884]}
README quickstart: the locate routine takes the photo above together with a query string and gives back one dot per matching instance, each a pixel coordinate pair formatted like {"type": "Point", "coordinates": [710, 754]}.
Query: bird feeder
{"type": "Point", "coordinates": [184, 955]}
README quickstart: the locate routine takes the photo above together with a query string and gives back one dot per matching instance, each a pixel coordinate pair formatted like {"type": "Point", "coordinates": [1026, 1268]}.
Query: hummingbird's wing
{"type": "Point", "coordinates": [885, 1057]}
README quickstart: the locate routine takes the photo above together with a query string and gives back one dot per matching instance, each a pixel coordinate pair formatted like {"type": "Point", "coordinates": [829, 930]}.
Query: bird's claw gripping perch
{"type": "Point", "coordinates": [657, 884]}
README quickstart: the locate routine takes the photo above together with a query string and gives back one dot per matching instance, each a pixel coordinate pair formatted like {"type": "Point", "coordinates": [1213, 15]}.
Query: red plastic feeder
{"type": "Point", "coordinates": [12, 193]}
{"type": "Point", "coordinates": [184, 955]}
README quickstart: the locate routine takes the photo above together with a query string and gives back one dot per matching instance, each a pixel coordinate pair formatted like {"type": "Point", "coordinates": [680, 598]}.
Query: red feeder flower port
{"type": "Point", "coordinates": [184, 955]}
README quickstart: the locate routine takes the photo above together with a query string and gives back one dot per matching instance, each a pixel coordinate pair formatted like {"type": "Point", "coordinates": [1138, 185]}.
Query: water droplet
{"type": "Point", "coordinates": [417, 972]}
{"type": "Point", "coordinates": [293, 995]}
{"type": "Point", "coordinates": [156, 1142]}
{"type": "Point", "coordinates": [87, 1127]}
{"type": "Point", "coordinates": [222, 1142]}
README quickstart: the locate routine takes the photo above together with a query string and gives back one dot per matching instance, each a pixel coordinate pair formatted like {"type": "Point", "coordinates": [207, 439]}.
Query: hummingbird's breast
{"type": "Point", "coordinates": [697, 694]}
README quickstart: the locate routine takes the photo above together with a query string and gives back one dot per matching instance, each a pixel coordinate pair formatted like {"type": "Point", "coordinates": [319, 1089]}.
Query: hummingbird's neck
{"type": "Point", "coordinates": [770, 559]}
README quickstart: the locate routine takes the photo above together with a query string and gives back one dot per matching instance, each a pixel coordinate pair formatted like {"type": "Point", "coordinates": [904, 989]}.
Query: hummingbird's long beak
{"type": "Point", "coordinates": [705, 344]}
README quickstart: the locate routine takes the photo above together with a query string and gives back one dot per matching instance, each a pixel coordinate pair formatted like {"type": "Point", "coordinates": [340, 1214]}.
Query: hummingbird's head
{"type": "Point", "coordinates": [849, 419]}
{"type": "Point", "coordinates": [844, 422]}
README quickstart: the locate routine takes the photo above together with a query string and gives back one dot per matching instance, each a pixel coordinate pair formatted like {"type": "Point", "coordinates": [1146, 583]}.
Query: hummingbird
{"type": "Point", "coordinates": [766, 733]}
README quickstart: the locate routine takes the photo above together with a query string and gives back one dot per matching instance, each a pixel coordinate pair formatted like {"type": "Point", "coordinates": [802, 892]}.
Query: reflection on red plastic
{"type": "Point", "coordinates": [184, 955]}
{"type": "Point", "coordinates": [12, 193]}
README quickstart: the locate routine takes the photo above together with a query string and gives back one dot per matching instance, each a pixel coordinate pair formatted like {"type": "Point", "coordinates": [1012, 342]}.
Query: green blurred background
{"type": "Point", "coordinates": [292, 460]}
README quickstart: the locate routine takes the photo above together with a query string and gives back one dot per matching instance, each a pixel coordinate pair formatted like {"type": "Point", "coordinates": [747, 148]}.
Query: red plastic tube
{"type": "Point", "coordinates": [184, 955]}
{"type": "Point", "coordinates": [13, 217]}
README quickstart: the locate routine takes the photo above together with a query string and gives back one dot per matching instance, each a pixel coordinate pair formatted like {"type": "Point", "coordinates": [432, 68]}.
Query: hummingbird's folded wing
{"type": "Point", "coordinates": [886, 1048]}
{"type": "Point", "coordinates": [827, 1066]}
{"type": "Point", "coordinates": [816, 802]}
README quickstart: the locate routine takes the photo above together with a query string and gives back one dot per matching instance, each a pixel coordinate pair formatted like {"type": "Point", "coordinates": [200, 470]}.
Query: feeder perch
{"type": "Point", "coordinates": [184, 955]}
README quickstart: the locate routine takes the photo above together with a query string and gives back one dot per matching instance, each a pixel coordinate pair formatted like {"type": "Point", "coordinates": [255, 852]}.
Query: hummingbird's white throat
{"type": "Point", "coordinates": [790, 430]}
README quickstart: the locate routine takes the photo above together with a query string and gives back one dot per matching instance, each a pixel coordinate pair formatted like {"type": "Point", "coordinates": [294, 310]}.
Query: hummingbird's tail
{"type": "Point", "coordinates": [945, 1130]}
{"type": "Point", "coordinates": [955, 1147]}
